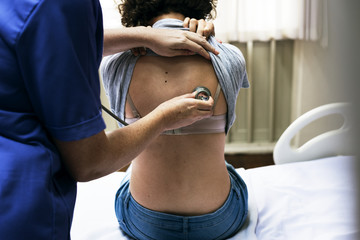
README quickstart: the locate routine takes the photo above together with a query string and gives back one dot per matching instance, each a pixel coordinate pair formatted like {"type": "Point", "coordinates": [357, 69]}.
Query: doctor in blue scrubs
{"type": "Point", "coordinates": [51, 128]}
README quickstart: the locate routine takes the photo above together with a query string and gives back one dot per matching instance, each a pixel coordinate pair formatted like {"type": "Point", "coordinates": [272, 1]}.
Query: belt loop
{"type": "Point", "coordinates": [186, 227]}
{"type": "Point", "coordinates": [127, 199]}
{"type": "Point", "coordinates": [237, 191]}
{"type": "Point", "coordinates": [234, 185]}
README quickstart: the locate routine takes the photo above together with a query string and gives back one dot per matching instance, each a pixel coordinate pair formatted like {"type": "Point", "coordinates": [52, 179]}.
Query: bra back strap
{"type": "Point", "coordinates": [137, 114]}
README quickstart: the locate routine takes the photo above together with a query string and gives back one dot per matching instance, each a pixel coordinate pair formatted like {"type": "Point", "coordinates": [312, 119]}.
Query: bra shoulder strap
{"type": "Point", "coordinates": [132, 106]}
{"type": "Point", "coordinates": [216, 96]}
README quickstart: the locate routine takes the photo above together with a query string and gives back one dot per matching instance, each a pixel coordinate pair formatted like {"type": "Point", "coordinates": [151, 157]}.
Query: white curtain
{"type": "Point", "coordinates": [262, 20]}
{"type": "Point", "coordinates": [111, 15]}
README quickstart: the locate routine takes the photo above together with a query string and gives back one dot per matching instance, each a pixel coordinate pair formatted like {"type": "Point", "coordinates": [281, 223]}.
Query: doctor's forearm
{"type": "Point", "coordinates": [102, 154]}
{"type": "Point", "coordinates": [122, 39]}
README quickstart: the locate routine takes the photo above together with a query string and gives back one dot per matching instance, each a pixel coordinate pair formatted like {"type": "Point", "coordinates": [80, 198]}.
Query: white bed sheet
{"type": "Point", "coordinates": [94, 215]}
{"type": "Point", "coordinates": [306, 200]}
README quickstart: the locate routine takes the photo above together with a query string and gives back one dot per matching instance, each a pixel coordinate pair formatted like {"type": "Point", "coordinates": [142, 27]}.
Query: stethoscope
{"type": "Point", "coordinates": [202, 93]}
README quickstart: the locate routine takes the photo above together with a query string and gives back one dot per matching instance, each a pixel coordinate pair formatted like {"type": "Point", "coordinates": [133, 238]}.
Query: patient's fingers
{"type": "Point", "coordinates": [201, 26]}
{"type": "Point", "coordinates": [209, 29]}
{"type": "Point", "coordinates": [193, 25]}
{"type": "Point", "coordinates": [186, 22]}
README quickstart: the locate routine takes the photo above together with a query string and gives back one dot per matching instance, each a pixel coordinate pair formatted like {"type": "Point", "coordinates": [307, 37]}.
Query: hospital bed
{"type": "Point", "coordinates": [311, 198]}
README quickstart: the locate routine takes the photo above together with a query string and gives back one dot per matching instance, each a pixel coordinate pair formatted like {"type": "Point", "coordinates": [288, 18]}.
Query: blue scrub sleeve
{"type": "Point", "coordinates": [59, 54]}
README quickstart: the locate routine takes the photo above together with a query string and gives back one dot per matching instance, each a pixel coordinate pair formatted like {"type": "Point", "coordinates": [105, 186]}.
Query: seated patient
{"type": "Point", "coordinates": [180, 186]}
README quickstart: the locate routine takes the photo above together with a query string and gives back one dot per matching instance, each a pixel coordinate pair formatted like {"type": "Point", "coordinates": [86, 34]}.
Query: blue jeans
{"type": "Point", "coordinates": [141, 223]}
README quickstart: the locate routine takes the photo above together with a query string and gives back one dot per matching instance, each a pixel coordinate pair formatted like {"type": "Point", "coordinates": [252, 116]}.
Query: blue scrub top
{"type": "Point", "coordinates": [50, 52]}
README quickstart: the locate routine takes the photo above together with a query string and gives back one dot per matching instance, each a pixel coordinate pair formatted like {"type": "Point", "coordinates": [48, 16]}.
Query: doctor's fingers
{"type": "Point", "coordinates": [197, 44]}
{"type": "Point", "coordinates": [196, 104]}
{"type": "Point", "coordinates": [184, 110]}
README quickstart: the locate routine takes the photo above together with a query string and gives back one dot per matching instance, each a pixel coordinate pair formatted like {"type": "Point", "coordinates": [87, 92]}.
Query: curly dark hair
{"type": "Point", "coordinates": [140, 12]}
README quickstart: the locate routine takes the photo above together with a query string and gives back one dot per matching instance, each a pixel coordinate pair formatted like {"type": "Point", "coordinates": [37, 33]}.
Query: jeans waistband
{"type": "Point", "coordinates": [142, 223]}
{"type": "Point", "coordinates": [170, 220]}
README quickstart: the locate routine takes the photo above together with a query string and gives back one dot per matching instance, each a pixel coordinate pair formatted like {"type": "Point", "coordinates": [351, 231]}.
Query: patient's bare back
{"type": "Point", "coordinates": [178, 174]}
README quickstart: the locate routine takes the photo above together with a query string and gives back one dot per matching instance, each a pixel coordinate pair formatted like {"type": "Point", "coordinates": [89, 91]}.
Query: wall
{"type": "Point", "coordinates": [326, 74]}
{"type": "Point", "coordinates": [264, 110]}
{"type": "Point", "coordinates": [111, 123]}
{"type": "Point", "coordinates": [331, 74]}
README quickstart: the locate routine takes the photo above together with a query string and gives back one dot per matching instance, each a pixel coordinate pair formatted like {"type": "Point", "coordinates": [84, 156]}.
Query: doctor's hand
{"type": "Point", "coordinates": [169, 43]}
{"type": "Point", "coordinates": [185, 43]}
{"type": "Point", "coordinates": [184, 110]}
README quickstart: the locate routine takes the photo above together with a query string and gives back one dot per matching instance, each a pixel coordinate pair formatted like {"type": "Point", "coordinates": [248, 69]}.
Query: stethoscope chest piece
{"type": "Point", "coordinates": [202, 93]}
